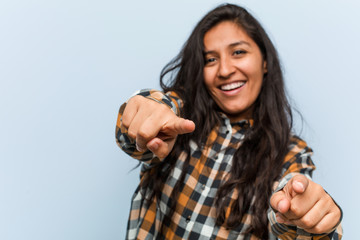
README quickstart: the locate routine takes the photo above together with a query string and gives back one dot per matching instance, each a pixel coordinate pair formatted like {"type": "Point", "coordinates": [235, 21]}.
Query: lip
{"type": "Point", "coordinates": [234, 91]}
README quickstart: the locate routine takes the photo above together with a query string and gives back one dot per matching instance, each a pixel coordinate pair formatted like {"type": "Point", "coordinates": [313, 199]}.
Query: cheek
{"type": "Point", "coordinates": [253, 68]}
{"type": "Point", "coordinates": [256, 75]}
{"type": "Point", "coordinates": [256, 89]}
{"type": "Point", "coordinates": [208, 79]}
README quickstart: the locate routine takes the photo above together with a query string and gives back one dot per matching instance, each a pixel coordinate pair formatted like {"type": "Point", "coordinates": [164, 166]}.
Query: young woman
{"type": "Point", "coordinates": [219, 160]}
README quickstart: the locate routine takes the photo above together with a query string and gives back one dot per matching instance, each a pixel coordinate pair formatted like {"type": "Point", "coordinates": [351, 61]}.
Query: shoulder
{"type": "Point", "coordinates": [298, 158]}
{"type": "Point", "coordinates": [298, 146]}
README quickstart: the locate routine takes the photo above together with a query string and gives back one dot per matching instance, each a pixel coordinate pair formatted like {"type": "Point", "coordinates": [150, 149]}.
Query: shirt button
{"type": "Point", "coordinates": [203, 187]}
{"type": "Point", "coordinates": [188, 218]}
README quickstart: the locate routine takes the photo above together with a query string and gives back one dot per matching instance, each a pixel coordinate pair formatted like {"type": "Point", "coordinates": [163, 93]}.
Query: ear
{"type": "Point", "coordinates": [265, 67]}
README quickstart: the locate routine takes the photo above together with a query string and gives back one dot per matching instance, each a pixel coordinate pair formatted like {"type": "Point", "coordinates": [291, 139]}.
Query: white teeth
{"type": "Point", "coordinates": [232, 86]}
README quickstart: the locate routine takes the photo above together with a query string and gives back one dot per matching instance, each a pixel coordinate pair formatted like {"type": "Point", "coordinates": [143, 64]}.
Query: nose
{"type": "Point", "coordinates": [226, 68]}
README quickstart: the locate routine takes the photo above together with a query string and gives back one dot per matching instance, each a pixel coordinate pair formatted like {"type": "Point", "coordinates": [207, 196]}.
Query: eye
{"type": "Point", "coordinates": [210, 60]}
{"type": "Point", "coordinates": [239, 52]}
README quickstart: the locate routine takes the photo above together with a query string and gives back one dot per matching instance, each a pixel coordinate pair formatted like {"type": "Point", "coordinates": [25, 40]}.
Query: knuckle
{"type": "Point", "coordinates": [161, 154]}
{"type": "Point", "coordinates": [327, 200]}
{"type": "Point", "coordinates": [295, 209]}
{"type": "Point", "coordinates": [308, 222]}
{"type": "Point", "coordinates": [318, 188]}
{"type": "Point", "coordinates": [317, 230]}
{"type": "Point", "coordinates": [136, 99]}
{"type": "Point", "coordinates": [125, 121]}
{"type": "Point", "coordinates": [274, 200]}
{"type": "Point", "coordinates": [143, 133]}
{"type": "Point", "coordinates": [131, 133]}
{"type": "Point", "coordinates": [299, 177]}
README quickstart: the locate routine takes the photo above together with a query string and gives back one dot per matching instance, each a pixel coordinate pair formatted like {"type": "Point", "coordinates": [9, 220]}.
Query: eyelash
{"type": "Point", "coordinates": [210, 60]}
{"type": "Point", "coordinates": [238, 52]}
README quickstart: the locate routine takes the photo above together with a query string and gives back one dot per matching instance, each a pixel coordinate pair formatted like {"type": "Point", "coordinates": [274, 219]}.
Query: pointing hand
{"type": "Point", "coordinates": [305, 204]}
{"type": "Point", "coordinates": [153, 125]}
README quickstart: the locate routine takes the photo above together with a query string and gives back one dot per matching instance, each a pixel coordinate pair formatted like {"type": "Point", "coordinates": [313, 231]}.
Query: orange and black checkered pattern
{"type": "Point", "coordinates": [194, 215]}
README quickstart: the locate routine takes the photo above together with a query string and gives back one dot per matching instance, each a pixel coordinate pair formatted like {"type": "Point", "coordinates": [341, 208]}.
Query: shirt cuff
{"type": "Point", "coordinates": [162, 98]}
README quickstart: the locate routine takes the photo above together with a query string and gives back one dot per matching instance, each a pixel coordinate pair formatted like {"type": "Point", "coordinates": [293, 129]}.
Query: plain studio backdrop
{"type": "Point", "coordinates": [66, 67]}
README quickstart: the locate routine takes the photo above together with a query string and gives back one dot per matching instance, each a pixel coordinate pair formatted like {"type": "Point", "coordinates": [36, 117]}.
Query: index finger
{"type": "Point", "coordinates": [299, 184]}
{"type": "Point", "coordinates": [280, 202]}
{"type": "Point", "coordinates": [179, 126]}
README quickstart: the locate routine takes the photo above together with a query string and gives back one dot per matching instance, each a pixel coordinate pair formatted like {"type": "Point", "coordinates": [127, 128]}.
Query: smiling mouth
{"type": "Point", "coordinates": [232, 86]}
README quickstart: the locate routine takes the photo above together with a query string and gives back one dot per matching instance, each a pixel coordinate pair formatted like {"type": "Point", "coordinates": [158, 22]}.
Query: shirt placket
{"type": "Point", "coordinates": [204, 183]}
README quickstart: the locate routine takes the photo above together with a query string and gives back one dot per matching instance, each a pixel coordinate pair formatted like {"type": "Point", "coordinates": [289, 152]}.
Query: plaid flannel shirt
{"type": "Point", "coordinates": [194, 216]}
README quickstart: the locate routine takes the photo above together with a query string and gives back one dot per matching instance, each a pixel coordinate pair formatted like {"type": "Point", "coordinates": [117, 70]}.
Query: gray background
{"type": "Point", "coordinates": [66, 66]}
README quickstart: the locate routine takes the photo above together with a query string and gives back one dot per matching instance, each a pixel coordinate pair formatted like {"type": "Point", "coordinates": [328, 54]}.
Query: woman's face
{"type": "Point", "coordinates": [234, 69]}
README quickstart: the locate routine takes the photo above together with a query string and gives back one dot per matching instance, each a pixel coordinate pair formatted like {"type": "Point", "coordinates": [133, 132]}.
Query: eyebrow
{"type": "Point", "coordinates": [231, 45]}
{"type": "Point", "coordinates": [239, 43]}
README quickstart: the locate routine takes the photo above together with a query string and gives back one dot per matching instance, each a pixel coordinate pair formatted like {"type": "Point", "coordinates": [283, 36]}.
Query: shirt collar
{"type": "Point", "coordinates": [244, 123]}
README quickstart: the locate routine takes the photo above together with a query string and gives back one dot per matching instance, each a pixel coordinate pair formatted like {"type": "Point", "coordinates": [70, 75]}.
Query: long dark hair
{"type": "Point", "coordinates": [258, 161]}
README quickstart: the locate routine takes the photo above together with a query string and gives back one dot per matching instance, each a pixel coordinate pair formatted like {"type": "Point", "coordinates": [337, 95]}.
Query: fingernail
{"type": "Point", "coordinates": [280, 206]}
{"type": "Point", "coordinates": [299, 185]}
{"type": "Point", "coordinates": [139, 148]}
{"type": "Point", "coordinates": [153, 147]}
{"type": "Point", "coordinates": [279, 219]}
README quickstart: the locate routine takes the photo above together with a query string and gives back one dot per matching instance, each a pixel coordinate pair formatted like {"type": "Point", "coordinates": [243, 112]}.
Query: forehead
{"type": "Point", "coordinates": [224, 34]}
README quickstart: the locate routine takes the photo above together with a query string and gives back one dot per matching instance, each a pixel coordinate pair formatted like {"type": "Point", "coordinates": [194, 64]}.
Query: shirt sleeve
{"type": "Point", "coordinates": [126, 143]}
{"type": "Point", "coordinates": [298, 161]}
